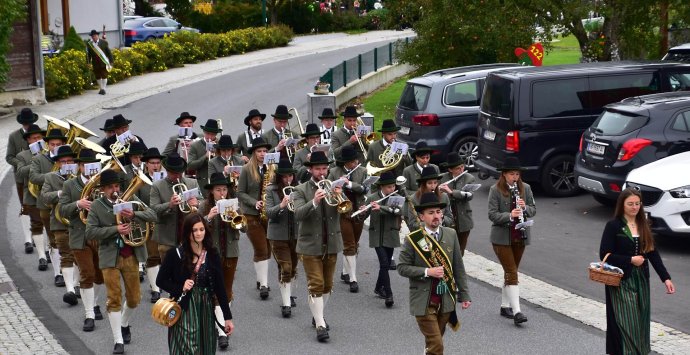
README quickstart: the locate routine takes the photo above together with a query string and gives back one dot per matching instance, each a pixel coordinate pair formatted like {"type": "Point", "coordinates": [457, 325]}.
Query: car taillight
{"type": "Point", "coordinates": [614, 187]}
{"type": "Point", "coordinates": [426, 120]}
{"type": "Point", "coordinates": [130, 33]}
{"type": "Point", "coordinates": [632, 147]}
{"type": "Point", "coordinates": [582, 137]}
{"type": "Point", "coordinates": [513, 141]}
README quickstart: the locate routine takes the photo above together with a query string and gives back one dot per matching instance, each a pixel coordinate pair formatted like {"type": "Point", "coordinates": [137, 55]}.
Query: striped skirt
{"type": "Point", "coordinates": [195, 332]}
{"type": "Point", "coordinates": [630, 305]}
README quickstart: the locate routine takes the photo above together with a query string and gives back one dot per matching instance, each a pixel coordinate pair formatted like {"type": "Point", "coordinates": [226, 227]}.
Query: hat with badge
{"type": "Point", "coordinates": [211, 126]}
{"type": "Point", "coordinates": [282, 113]}
{"type": "Point", "coordinates": [350, 111]}
{"type": "Point", "coordinates": [388, 125]}
{"type": "Point", "coordinates": [86, 156]}
{"type": "Point", "coordinates": [120, 121]}
{"type": "Point", "coordinates": [33, 129]}
{"type": "Point", "coordinates": [183, 116]}
{"type": "Point", "coordinates": [109, 177]}
{"type": "Point", "coordinates": [511, 163]}
{"type": "Point", "coordinates": [428, 173]}
{"type": "Point", "coordinates": [224, 142]}
{"type": "Point", "coordinates": [317, 158]}
{"type": "Point", "coordinates": [327, 113]}
{"type": "Point", "coordinates": [217, 179]}
{"type": "Point", "coordinates": [386, 178]}
{"type": "Point", "coordinates": [428, 200]}
{"type": "Point", "coordinates": [26, 116]}
{"type": "Point", "coordinates": [421, 148]}
{"type": "Point", "coordinates": [311, 130]}
{"type": "Point", "coordinates": [347, 154]}
{"type": "Point", "coordinates": [152, 153]}
{"type": "Point", "coordinates": [55, 133]}
{"type": "Point", "coordinates": [258, 143]}
{"type": "Point", "coordinates": [63, 151]}
{"type": "Point", "coordinates": [253, 113]}
{"type": "Point", "coordinates": [174, 163]}
{"type": "Point", "coordinates": [453, 160]}
{"type": "Point", "coordinates": [108, 125]}
{"type": "Point", "coordinates": [285, 168]}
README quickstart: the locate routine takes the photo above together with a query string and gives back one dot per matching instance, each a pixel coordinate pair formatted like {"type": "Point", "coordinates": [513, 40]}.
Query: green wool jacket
{"type": "Point", "coordinates": [165, 232]}
{"type": "Point", "coordinates": [384, 224]}
{"type": "Point", "coordinates": [232, 236]}
{"type": "Point", "coordinates": [411, 215]}
{"type": "Point", "coordinates": [15, 144]}
{"type": "Point", "coordinates": [375, 151]}
{"type": "Point", "coordinates": [341, 139]}
{"type": "Point", "coordinates": [412, 173]}
{"type": "Point", "coordinates": [217, 165]}
{"type": "Point", "coordinates": [460, 205]}
{"type": "Point", "coordinates": [101, 225]}
{"type": "Point", "coordinates": [248, 192]}
{"type": "Point", "coordinates": [24, 159]}
{"type": "Point", "coordinates": [356, 178]}
{"type": "Point", "coordinates": [412, 266]}
{"type": "Point", "coordinates": [312, 222]}
{"type": "Point", "coordinates": [71, 193]}
{"type": "Point", "coordinates": [282, 224]}
{"type": "Point", "coordinates": [52, 185]}
{"type": "Point", "coordinates": [41, 166]}
{"type": "Point", "coordinates": [272, 138]}
{"type": "Point", "coordinates": [241, 143]}
{"type": "Point", "coordinates": [298, 164]}
{"type": "Point", "coordinates": [198, 160]}
{"type": "Point", "coordinates": [499, 214]}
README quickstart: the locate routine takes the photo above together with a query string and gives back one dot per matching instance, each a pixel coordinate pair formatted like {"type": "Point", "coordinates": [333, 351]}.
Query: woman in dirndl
{"type": "Point", "coordinates": [193, 271]}
{"type": "Point", "coordinates": [630, 243]}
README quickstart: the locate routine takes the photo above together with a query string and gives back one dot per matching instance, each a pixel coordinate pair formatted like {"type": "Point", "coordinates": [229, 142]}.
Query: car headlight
{"type": "Point", "coordinates": [681, 192]}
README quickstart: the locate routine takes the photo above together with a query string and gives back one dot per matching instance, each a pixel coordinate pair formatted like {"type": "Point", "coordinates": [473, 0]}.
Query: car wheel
{"type": "Point", "coordinates": [604, 200]}
{"type": "Point", "coordinates": [468, 150]}
{"type": "Point", "coordinates": [558, 176]}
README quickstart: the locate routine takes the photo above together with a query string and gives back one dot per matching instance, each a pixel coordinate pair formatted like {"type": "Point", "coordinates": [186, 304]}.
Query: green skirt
{"type": "Point", "coordinates": [195, 331]}
{"type": "Point", "coordinates": [631, 311]}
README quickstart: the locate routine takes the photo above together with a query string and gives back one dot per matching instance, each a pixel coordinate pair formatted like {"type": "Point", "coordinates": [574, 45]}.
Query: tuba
{"type": "Point", "coordinates": [77, 138]}
{"type": "Point", "coordinates": [337, 200]}
{"type": "Point", "coordinates": [236, 220]}
{"type": "Point", "coordinates": [287, 191]}
{"type": "Point", "coordinates": [91, 190]}
{"type": "Point", "coordinates": [137, 235]}
{"type": "Point", "coordinates": [179, 188]}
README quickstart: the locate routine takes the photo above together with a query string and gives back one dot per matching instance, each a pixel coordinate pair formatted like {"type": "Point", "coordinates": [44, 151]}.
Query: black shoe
{"type": "Point", "coordinates": [155, 296]}
{"type": "Point", "coordinates": [322, 334]}
{"type": "Point", "coordinates": [97, 313]}
{"type": "Point", "coordinates": [286, 311]}
{"type": "Point", "coordinates": [393, 265]}
{"type": "Point", "coordinates": [101, 92]}
{"type": "Point", "coordinates": [59, 281]}
{"type": "Point", "coordinates": [222, 342]}
{"type": "Point", "coordinates": [28, 248]}
{"type": "Point", "coordinates": [507, 312]}
{"type": "Point", "coordinates": [345, 278]}
{"type": "Point", "coordinates": [258, 285]}
{"type": "Point", "coordinates": [313, 324]}
{"type": "Point", "coordinates": [292, 301]}
{"type": "Point", "coordinates": [354, 287]}
{"type": "Point", "coordinates": [141, 276]}
{"type": "Point", "coordinates": [70, 298]}
{"type": "Point", "coordinates": [126, 334]}
{"type": "Point", "coordinates": [389, 301]}
{"type": "Point", "coordinates": [42, 264]}
{"type": "Point", "coordinates": [89, 325]}
{"type": "Point", "coordinates": [519, 318]}
{"type": "Point", "coordinates": [263, 292]}
{"type": "Point", "coordinates": [380, 293]}
{"type": "Point", "coordinates": [48, 258]}
{"type": "Point", "coordinates": [119, 348]}
{"type": "Point", "coordinates": [77, 291]}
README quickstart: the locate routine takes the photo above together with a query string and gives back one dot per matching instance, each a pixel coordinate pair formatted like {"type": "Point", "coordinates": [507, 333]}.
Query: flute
{"type": "Point", "coordinates": [368, 206]}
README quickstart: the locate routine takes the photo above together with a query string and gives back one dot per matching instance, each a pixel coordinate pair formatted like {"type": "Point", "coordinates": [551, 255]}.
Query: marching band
{"type": "Point", "coordinates": [304, 207]}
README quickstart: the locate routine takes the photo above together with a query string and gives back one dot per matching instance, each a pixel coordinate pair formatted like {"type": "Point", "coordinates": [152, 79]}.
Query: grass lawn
{"type": "Point", "coordinates": [565, 51]}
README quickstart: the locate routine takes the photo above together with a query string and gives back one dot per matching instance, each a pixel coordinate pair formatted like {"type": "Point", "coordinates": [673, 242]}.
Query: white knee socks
{"type": "Point", "coordinates": [505, 302]}
{"type": "Point", "coordinates": [285, 293]}
{"type": "Point", "coordinates": [219, 316]}
{"type": "Point", "coordinates": [115, 319]}
{"type": "Point", "coordinates": [40, 241]}
{"type": "Point", "coordinates": [127, 314]}
{"type": "Point", "coordinates": [351, 262]}
{"type": "Point", "coordinates": [55, 259]}
{"type": "Point", "coordinates": [87, 297]}
{"type": "Point", "coordinates": [261, 268]}
{"type": "Point", "coordinates": [68, 275]}
{"type": "Point", "coordinates": [513, 293]}
{"type": "Point", "coordinates": [316, 306]}
{"type": "Point", "coordinates": [152, 274]}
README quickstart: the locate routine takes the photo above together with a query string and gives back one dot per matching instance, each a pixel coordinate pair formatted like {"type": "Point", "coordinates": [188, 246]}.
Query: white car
{"type": "Point", "coordinates": [665, 187]}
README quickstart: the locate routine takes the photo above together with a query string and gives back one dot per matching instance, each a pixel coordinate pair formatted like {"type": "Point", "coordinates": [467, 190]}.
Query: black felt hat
{"type": "Point", "coordinates": [93, 32]}
{"type": "Point", "coordinates": [120, 121]}
{"type": "Point", "coordinates": [86, 156]}
{"type": "Point", "coordinates": [428, 200]}
{"type": "Point", "coordinates": [26, 116]}
{"type": "Point", "coordinates": [511, 163]}
{"type": "Point", "coordinates": [183, 116]}
{"type": "Point", "coordinates": [328, 113]}
{"type": "Point", "coordinates": [282, 113]}
{"type": "Point", "coordinates": [386, 178]}
{"type": "Point", "coordinates": [421, 148]}
{"type": "Point", "coordinates": [388, 125]}
{"type": "Point", "coordinates": [347, 154]}
{"type": "Point", "coordinates": [258, 143]}
{"type": "Point", "coordinates": [428, 173]}
{"type": "Point", "coordinates": [152, 153]}
{"type": "Point", "coordinates": [311, 130]}
{"type": "Point", "coordinates": [217, 179]}
{"type": "Point", "coordinates": [285, 167]}
{"type": "Point", "coordinates": [108, 125]}
{"type": "Point", "coordinates": [63, 151]}
{"type": "Point", "coordinates": [224, 142]}
{"type": "Point", "coordinates": [253, 113]}
{"type": "Point", "coordinates": [453, 160]}
{"type": "Point", "coordinates": [211, 126]}
{"type": "Point", "coordinates": [317, 158]}
{"type": "Point", "coordinates": [136, 148]}
{"type": "Point", "coordinates": [350, 111]}
{"type": "Point", "coordinates": [55, 133]}
{"type": "Point", "coordinates": [33, 129]}
{"type": "Point", "coordinates": [109, 177]}
{"type": "Point", "coordinates": [174, 163]}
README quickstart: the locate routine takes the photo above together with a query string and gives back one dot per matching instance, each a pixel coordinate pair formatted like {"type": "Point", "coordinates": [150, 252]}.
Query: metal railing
{"type": "Point", "coordinates": [363, 64]}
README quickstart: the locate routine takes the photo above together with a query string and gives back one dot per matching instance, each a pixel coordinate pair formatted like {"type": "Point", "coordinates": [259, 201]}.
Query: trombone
{"type": "Point", "coordinates": [337, 200]}
{"type": "Point", "coordinates": [292, 150]}
{"type": "Point", "coordinates": [369, 138]}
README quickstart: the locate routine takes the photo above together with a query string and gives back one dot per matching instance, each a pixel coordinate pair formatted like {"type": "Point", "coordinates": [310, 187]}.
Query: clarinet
{"type": "Point", "coordinates": [516, 234]}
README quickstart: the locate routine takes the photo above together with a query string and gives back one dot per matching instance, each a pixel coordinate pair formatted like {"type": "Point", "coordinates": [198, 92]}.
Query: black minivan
{"type": "Point", "coordinates": [538, 114]}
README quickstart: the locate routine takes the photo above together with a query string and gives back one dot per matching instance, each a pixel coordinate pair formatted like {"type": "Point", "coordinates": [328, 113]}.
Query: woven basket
{"type": "Point", "coordinates": [606, 277]}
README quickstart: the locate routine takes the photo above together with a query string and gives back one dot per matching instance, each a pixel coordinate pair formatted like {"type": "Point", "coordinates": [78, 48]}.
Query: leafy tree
{"type": "Point", "coordinates": [144, 8]}
{"type": "Point", "coordinates": [179, 9]}
{"type": "Point", "coordinates": [73, 41]}
{"type": "Point", "coordinates": [11, 11]}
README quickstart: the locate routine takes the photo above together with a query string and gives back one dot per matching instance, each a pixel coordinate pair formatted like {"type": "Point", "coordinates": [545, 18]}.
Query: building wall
{"type": "Point", "coordinates": [87, 15]}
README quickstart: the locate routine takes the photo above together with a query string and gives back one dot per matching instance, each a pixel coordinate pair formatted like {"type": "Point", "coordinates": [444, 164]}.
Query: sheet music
{"type": "Point", "coordinates": [190, 194]}
{"type": "Point", "coordinates": [68, 169]}
{"type": "Point", "coordinates": [395, 201]}
{"type": "Point", "coordinates": [338, 183]}
{"type": "Point", "coordinates": [233, 169]}
{"type": "Point", "coordinates": [233, 203]}
{"type": "Point", "coordinates": [37, 147]}
{"type": "Point", "coordinates": [125, 137]}
{"type": "Point", "coordinates": [185, 132]}
{"type": "Point", "coordinates": [291, 142]}
{"type": "Point", "coordinates": [321, 148]}
{"type": "Point", "coordinates": [159, 175]}
{"type": "Point", "coordinates": [370, 180]}
{"type": "Point", "coordinates": [271, 158]}
{"type": "Point", "coordinates": [363, 130]}
{"type": "Point", "coordinates": [398, 147]}
{"type": "Point", "coordinates": [91, 169]}
{"type": "Point", "coordinates": [211, 147]}
{"type": "Point", "coordinates": [471, 187]}
{"type": "Point", "coordinates": [524, 224]}
{"type": "Point", "coordinates": [117, 208]}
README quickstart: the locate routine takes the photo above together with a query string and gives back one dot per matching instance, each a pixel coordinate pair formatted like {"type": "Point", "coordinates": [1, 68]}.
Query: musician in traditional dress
{"type": "Point", "coordinates": [136, 151]}
{"type": "Point", "coordinates": [118, 261]}
{"type": "Point", "coordinates": [253, 121]}
{"type": "Point", "coordinates": [277, 137]}
{"type": "Point", "coordinates": [459, 199]}
{"type": "Point", "coordinates": [185, 120]}
{"type": "Point", "coordinates": [200, 155]}
{"type": "Point", "coordinates": [428, 182]}
{"type": "Point", "coordinates": [433, 290]}
{"type": "Point", "coordinates": [347, 167]}
{"type": "Point", "coordinates": [422, 156]}
{"type": "Point", "coordinates": [312, 135]}
{"type": "Point", "coordinates": [32, 135]}
{"type": "Point", "coordinates": [99, 55]}
{"type": "Point", "coordinates": [152, 159]}
{"type": "Point", "coordinates": [107, 131]}
{"type": "Point", "coordinates": [41, 166]}
{"type": "Point", "coordinates": [319, 240]}
{"type": "Point", "coordinates": [389, 133]}
{"type": "Point", "coordinates": [347, 135]}
{"type": "Point", "coordinates": [328, 127]}
{"type": "Point", "coordinates": [15, 144]}
{"type": "Point", "coordinates": [50, 195]}
{"type": "Point", "coordinates": [119, 125]}
{"type": "Point", "coordinates": [226, 239]}
{"type": "Point", "coordinates": [251, 191]}
{"type": "Point", "coordinates": [510, 200]}
{"type": "Point", "coordinates": [193, 269]}
{"type": "Point", "coordinates": [282, 232]}
{"type": "Point", "coordinates": [85, 250]}
{"type": "Point", "coordinates": [224, 158]}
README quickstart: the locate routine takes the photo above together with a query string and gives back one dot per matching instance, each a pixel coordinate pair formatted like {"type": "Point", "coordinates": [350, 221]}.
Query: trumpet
{"type": "Point", "coordinates": [287, 191]}
{"type": "Point", "coordinates": [337, 200]}
{"type": "Point", "coordinates": [179, 188]}
{"type": "Point", "coordinates": [236, 220]}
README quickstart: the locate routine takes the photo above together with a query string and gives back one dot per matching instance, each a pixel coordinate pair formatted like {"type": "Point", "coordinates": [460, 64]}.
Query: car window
{"type": "Point", "coordinates": [679, 55]}
{"type": "Point", "coordinates": [414, 97]}
{"type": "Point", "coordinates": [155, 23]}
{"type": "Point", "coordinates": [462, 94]}
{"type": "Point", "coordinates": [498, 97]}
{"type": "Point", "coordinates": [682, 122]}
{"type": "Point", "coordinates": [170, 23]}
{"type": "Point", "coordinates": [616, 123]}
{"type": "Point", "coordinates": [679, 81]}
{"type": "Point", "coordinates": [555, 98]}
{"type": "Point", "coordinates": [613, 88]}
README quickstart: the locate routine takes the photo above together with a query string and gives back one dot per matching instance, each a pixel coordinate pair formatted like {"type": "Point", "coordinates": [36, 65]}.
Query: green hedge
{"type": "Point", "coordinates": [68, 74]}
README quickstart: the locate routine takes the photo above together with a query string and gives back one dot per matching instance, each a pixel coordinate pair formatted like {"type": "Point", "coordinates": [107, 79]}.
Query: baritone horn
{"type": "Point", "coordinates": [337, 200]}
{"type": "Point", "coordinates": [179, 188]}
{"type": "Point", "coordinates": [138, 235]}
{"type": "Point", "coordinates": [237, 221]}
{"type": "Point", "coordinates": [287, 191]}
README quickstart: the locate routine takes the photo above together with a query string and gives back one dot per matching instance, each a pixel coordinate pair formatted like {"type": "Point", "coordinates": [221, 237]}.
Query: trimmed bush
{"type": "Point", "coordinates": [73, 41]}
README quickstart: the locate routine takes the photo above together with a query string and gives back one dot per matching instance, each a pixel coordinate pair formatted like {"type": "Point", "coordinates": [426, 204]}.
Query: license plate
{"type": "Point", "coordinates": [488, 135]}
{"type": "Point", "coordinates": [594, 148]}
{"type": "Point", "coordinates": [404, 130]}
